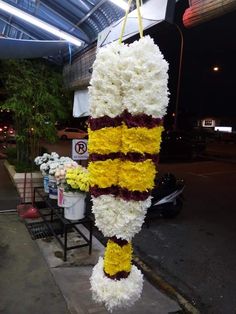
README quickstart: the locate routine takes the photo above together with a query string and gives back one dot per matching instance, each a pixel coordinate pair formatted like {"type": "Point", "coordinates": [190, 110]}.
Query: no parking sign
{"type": "Point", "coordinates": [80, 149]}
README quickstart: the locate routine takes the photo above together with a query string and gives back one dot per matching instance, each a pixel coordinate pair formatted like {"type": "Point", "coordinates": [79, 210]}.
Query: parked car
{"type": "Point", "coordinates": [181, 145]}
{"type": "Point", "coordinates": [71, 133]}
{"type": "Point", "coordinates": [7, 133]}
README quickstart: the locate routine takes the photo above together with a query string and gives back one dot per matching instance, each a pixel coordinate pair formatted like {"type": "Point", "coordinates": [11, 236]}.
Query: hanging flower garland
{"type": "Point", "coordinates": [128, 99]}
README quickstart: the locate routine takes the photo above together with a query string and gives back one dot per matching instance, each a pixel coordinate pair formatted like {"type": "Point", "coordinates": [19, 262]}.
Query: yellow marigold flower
{"type": "Point", "coordinates": [104, 173]}
{"type": "Point", "coordinates": [105, 140]}
{"type": "Point", "coordinates": [141, 140]}
{"type": "Point", "coordinates": [117, 258]}
{"type": "Point", "coordinates": [137, 176]}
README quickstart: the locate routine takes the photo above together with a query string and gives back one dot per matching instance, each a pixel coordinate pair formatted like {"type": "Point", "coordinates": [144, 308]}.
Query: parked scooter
{"type": "Point", "coordinates": [167, 201]}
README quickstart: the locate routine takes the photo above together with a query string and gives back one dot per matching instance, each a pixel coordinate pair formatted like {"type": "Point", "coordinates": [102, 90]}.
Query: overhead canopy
{"type": "Point", "coordinates": [83, 19]}
{"type": "Point", "coordinates": [10, 48]}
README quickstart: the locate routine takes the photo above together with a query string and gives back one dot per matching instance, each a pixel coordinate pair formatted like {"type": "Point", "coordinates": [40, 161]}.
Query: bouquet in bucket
{"type": "Point", "coordinates": [47, 162]}
{"type": "Point", "coordinates": [62, 169]}
{"type": "Point", "coordinates": [75, 187]}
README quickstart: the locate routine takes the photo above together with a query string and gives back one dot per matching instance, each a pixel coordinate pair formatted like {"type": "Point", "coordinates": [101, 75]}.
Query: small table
{"type": "Point", "coordinates": [58, 212]}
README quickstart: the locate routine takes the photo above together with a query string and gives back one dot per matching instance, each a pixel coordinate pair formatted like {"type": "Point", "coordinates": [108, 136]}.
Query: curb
{"type": "Point", "coordinates": [161, 284]}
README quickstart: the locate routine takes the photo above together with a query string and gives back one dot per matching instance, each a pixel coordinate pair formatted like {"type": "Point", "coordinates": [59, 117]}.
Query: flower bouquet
{"type": "Point", "coordinates": [75, 187]}
{"type": "Point", "coordinates": [60, 175]}
{"type": "Point", "coordinates": [45, 162]}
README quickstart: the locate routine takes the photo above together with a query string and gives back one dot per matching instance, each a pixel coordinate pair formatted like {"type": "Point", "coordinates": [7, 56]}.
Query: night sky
{"type": "Point", "coordinates": [203, 92]}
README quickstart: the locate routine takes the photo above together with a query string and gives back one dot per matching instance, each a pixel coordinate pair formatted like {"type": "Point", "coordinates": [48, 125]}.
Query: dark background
{"type": "Point", "coordinates": [203, 92]}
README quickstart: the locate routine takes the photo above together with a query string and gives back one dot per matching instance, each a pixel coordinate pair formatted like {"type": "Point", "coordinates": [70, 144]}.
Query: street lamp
{"type": "Point", "coordinates": [215, 68]}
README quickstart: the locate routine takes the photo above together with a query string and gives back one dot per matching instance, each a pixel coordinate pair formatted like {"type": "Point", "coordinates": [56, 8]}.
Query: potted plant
{"type": "Point", "coordinates": [47, 163]}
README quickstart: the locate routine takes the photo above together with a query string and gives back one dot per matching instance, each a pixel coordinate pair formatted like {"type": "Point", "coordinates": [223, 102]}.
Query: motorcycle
{"type": "Point", "coordinates": [167, 197]}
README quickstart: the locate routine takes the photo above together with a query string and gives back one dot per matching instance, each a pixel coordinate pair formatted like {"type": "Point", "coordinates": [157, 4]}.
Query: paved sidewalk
{"type": "Point", "coordinates": [9, 197]}
{"type": "Point", "coordinates": [26, 284]}
{"type": "Point", "coordinates": [73, 276]}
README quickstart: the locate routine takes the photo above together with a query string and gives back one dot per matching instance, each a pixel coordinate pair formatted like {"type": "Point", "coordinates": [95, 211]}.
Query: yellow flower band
{"type": "Point", "coordinates": [141, 140]}
{"type": "Point", "coordinates": [134, 176]}
{"type": "Point", "coordinates": [137, 176]}
{"type": "Point", "coordinates": [117, 258]}
{"type": "Point", "coordinates": [104, 173]}
{"type": "Point", "coordinates": [105, 140]}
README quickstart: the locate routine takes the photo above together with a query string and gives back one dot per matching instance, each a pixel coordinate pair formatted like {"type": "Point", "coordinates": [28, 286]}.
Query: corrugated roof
{"type": "Point", "coordinates": [83, 19]}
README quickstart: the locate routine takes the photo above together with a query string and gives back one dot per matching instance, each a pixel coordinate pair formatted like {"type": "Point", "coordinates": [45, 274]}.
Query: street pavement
{"type": "Point", "coordinates": [26, 284]}
{"type": "Point", "coordinates": [9, 197]}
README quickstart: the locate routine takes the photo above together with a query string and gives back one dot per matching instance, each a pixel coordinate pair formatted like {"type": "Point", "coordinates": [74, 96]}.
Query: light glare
{"type": "Point", "coordinates": [120, 3]}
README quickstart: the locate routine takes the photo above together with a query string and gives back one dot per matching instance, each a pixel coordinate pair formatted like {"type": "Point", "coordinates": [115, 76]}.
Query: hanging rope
{"type": "Point", "coordinates": [124, 22]}
{"type": "Point", "coordinates": [140, 22]}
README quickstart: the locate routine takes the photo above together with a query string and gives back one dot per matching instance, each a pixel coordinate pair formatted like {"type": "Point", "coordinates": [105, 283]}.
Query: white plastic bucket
{"type": "Point", "coordinates": [45, 184]}
{"type": "Point", "coordinates": [60, 196]}
{"type": "Point", "coordinates": [52, 184]}
{"type": "Point", "coordinates": [74, 205]}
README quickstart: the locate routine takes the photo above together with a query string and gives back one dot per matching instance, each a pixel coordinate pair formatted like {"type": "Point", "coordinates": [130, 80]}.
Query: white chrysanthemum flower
{"type": "Point", "coordinates": [144, 78]}
{"type": "Point", "coordinates": [105, 90]}
{"type": "Point", "coordinates": [38, 160]}
{"type": "Point", "coordinates": [54, 156]}
{"type": "Point", "coordinates": [115, 216]}
{"type": "Point", "coordinates": [116, 293]}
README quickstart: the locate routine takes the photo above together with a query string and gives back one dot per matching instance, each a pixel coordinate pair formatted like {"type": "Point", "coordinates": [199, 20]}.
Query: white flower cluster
{"type": "Point", "coordinates": [104, 92]}
{"type": "Point", "coordinates": [45, 158]}
{"type": "Point", "coordinates": [144, 78]}
{"type": "Point", "coordinates": [116, 293]}
{"type": "Point", "coordinates": [49, 167]}
{"type": "Point", "coordinates": [115, 216]}
{"type": "Point", "coordinates": [49, 163]}
{"type": "Point", "coordinates": [130, 77]}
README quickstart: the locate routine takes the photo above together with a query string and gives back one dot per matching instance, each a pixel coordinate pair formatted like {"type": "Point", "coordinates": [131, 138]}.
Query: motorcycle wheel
{"type": "Point", "coordinates": [172, 210]}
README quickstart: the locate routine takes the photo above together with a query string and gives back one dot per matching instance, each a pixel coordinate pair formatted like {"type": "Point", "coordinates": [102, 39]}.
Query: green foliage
{"type": "Point", "coordinates": [22, 166]}
{"type": "Point", "coordinates": [11, 152]}
{"type": "Point", "coordinates": [36, 97]}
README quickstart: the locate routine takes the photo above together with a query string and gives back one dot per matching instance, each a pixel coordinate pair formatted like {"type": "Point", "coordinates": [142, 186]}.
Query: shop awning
{"type": "Point", "coordinates": [16, 48]}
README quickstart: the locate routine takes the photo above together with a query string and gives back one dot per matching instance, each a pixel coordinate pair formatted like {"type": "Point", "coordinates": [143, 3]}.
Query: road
{"type": "Point", "coordinates": [196, 251]}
